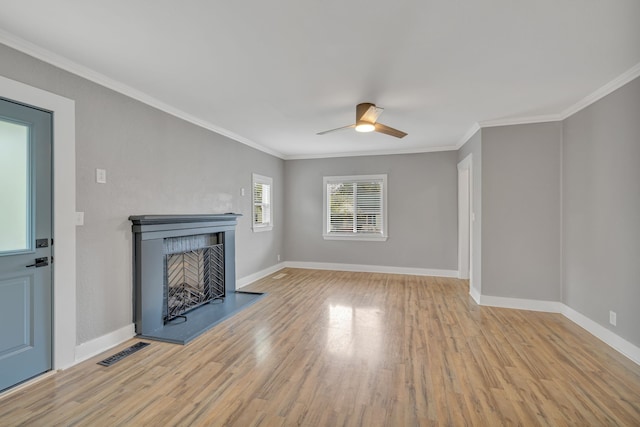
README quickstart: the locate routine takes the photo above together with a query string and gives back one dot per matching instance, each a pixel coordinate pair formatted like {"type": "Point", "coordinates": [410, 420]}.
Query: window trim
{"type": "Point", "coordinates": [261, 179]}
{"type": "Point", "coordinates": [372, 237]}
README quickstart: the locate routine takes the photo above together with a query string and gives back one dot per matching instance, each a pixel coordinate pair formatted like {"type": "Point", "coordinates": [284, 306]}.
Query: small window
{"type": "Point", "coordinates": [262, 197]}
{"type": "Point", "coordinates": [355, 207]}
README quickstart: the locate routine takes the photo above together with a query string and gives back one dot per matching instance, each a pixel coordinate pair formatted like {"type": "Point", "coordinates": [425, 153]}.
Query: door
{"type": "Point", "coordinates": [463, 223]}
{"type": "Point", "coordinates": [25, 243]}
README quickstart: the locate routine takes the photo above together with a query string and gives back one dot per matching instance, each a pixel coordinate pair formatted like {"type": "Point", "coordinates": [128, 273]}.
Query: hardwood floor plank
{"type": "Point", "coordinates": [330, 348]}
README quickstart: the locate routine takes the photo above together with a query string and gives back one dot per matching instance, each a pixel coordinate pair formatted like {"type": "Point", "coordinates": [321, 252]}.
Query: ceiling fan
{"type": "Point", "coordinates": [366, 121]}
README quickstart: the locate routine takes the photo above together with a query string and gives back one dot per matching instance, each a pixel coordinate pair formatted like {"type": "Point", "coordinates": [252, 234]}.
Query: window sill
{"type": "Point", "coordinates": [359, 237]}
{"type": "Point", "coordinates": [265, 228]}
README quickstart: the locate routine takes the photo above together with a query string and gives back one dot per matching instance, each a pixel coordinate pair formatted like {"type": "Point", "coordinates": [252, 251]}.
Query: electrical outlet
{"type": "Point", "coordinates": [101, 176]}
{"type": "Point", "coordinates": [278, 257]}
{"type": "Point", "coordinates": [613, 318]}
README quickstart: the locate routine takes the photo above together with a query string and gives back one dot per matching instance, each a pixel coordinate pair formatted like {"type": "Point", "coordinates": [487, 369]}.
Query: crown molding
{"type": "Point", "coordinates": [468, 134]}
{"type": "Point", "coordinates": [613, 85]}
{"type": "Point", "coordinates": [521, 120]}
{"type": "Point", "coordinates": [63, 63]}
{"type": "Point", "coordinates": [91, 75]}
{"type": "Point", "coordinates": [593, 97]}
{"type": "Point", "coordinates": [370, 153]}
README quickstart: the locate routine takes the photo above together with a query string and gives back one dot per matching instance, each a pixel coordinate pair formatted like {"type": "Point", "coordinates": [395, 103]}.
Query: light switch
{"type": "Point", "coordinates": [101, 176]}
{"type": "Point", "coordinates": [79, 218]}
{"type": "Point", "coordinates": [242, 191]}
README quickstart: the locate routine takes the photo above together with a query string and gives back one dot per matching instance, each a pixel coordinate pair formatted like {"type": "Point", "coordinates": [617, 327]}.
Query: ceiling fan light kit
{"type": "Point", "coordinates": [365, 127]}
{"type": "Point", "coordinates": [366, 121]}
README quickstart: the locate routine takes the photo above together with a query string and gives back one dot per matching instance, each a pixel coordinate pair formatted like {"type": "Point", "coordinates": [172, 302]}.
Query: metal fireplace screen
{"type": "Point", "coordinates": [194, 278]}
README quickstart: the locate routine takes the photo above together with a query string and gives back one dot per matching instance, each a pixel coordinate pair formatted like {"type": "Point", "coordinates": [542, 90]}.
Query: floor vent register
{"type": "Point", "coordinates": [122, 354]}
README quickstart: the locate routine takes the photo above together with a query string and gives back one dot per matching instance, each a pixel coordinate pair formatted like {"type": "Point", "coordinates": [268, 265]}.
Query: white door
{"type": "Point", "coordinates": [463, 223]}
{"type": "Point", "coordinates": [25, 242]}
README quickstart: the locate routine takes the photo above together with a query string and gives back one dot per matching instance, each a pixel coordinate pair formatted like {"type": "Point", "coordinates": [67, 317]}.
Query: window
{"type": "Point", "coordinates": [262, 195]}
{"type": "Point", "coordinates": [355, 207]}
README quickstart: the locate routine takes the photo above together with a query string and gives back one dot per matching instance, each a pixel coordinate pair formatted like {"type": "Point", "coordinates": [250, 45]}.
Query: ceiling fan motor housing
{"type": "Point", "coordinates": [362, 109]}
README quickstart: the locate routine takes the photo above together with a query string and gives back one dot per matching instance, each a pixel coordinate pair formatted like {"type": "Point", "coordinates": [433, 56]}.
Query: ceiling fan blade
{"type": "Point", "coordinates": [368, 112]}
{"type": "Point", "coordinates": [337, 129]}
{"type": "Point", "coordinates": [389, 131]}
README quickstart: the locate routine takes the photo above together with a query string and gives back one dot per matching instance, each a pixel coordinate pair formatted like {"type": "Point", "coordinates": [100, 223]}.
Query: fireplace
{"type": "Point", "coordinates": [184, 275]}
{"type": "Point", "coordinates": [194, 273]}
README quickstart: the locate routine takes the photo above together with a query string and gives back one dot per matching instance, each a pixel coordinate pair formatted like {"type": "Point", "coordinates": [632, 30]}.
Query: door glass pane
{"type": "Point", "coordinates": [15, 194]}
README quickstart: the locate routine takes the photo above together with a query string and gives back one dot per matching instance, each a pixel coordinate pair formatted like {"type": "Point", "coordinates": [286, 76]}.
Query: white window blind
{"type": "Point", "coordinates": [262, 195]}
{"type": "Point", "coordinates": [355, 207]}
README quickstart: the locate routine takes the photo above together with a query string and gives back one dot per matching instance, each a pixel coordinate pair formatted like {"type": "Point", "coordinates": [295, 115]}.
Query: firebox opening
{"type": "Point", "coordinates": [194, 273]}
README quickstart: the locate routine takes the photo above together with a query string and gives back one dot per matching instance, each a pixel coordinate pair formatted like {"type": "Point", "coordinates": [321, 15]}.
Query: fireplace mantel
{"type": "Point", "coordinates": [146, 223]}
{"type": "Point", "coordinates": [150, 232]}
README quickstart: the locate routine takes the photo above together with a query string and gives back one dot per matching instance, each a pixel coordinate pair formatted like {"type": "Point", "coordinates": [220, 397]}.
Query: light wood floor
{"type": "Point", "coordinates": [333, 348]}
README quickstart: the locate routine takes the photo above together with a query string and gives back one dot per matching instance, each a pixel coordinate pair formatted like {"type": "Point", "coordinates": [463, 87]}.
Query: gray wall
{"type": "Point", "coordinates": [521, 211]}
{"type": "Point", "coordinates": [422, 211]}
{"type": "Point", "coordinates": [558, 210]}
{"type": "Point", "coordinates": [473, 146]}
{"type": "Point", "coordinates": [601, 211]}
{"type": "Point", "coordinates": [155, 163]}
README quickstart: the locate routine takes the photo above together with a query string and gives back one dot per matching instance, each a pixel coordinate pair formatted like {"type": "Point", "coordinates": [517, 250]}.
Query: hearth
{"type": "Point", "coordinates": [184, 275]}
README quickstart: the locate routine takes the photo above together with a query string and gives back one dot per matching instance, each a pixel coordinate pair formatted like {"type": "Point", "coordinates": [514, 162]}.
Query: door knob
{"type": "Point", "coordinates": [40, 262]}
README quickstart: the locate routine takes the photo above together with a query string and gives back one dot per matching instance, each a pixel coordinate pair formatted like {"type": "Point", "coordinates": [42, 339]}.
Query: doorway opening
{"type": "Point", "coordinates": [465, 223]}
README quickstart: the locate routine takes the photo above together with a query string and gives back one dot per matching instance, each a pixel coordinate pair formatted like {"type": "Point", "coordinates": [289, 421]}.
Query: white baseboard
{"type": "Point", "coordinates": [475, 294]}
{"type": "Point", "coordinates": [618, 343]}
{"type": "Point", "coordinates": [522, 304]}
{"type": "Point", "coordinates": [371, 268]}
{"type": "Point", "coordinates": [613, 340]}
{"type": "Point", "coordinates": [246, 280]}
{"type": "Point", "coordinates": [96, 346]}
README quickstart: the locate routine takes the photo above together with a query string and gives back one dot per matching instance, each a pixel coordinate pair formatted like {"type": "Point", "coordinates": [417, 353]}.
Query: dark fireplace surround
{"type": "Point", "coordinates": [160, 241]}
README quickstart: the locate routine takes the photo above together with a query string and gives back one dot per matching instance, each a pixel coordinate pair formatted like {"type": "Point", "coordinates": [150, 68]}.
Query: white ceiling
{"type": "Point", "coordinates": [274, 73]}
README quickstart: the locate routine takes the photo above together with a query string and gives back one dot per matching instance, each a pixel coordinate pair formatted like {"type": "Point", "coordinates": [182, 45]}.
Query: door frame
{"type": "Point", "coordinates": [465, 223]}
{"type": "Point", "coordinates": [64, 206]}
